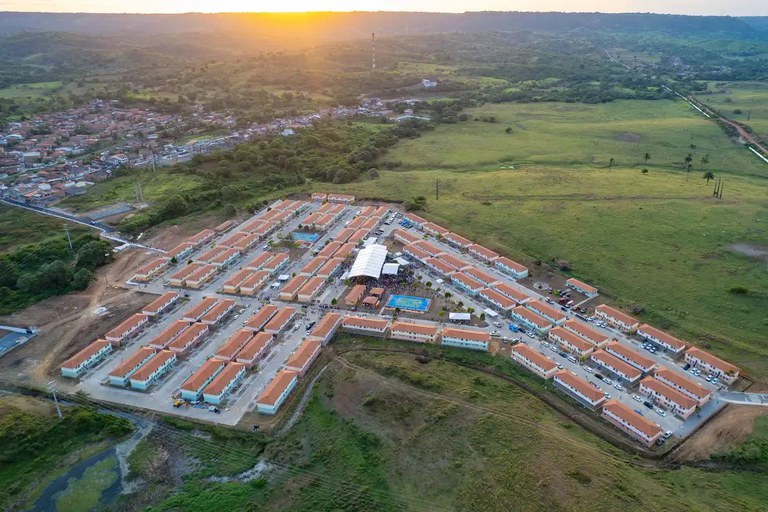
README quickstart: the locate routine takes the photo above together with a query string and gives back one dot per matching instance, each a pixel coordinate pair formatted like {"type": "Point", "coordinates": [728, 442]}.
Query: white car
{"type": "Point", "coordinates": [495, 334]}
{"type": "Point", "coordinates": [661, 412]}
{"type": "Point", "coordinates": [637, 398]}
{"type": "Point", "coordinates": [618, 387]}
{"type": "Point", "coordinates": [588, 369]}
{"type": "Point", "coordinates": [608, 381]}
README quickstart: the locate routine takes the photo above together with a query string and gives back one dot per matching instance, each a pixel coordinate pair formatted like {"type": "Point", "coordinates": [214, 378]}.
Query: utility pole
{"type": "Point", "coordinates": [437, 189]}
{"type": "Point", "coordinates": [69, 238]}
{"type": "Point", "coordinates": [749, 115]}
{"type": "Point", "coordinates": [373, 51]}
{"type": "Point", "coordinates": [52, 389]}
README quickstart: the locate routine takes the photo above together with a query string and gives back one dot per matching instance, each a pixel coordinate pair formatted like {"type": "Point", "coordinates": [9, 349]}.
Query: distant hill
{"type": "Point", "coordinates": [319, 27]}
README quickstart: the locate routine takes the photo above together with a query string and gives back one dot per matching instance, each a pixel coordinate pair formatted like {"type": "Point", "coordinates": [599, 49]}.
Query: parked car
{"type": "Point", "coordinates": [661, 412]}
{"type": "Point", "coordinates": [588, 369]}
{"type": "Point", "coordinates": [572, 359]}
{"type": "Point", "coordinates": [648, 404]}
{"type": "Point", "coordinates": [667, 434]}
{"type": "Point", "coordinates": [559, 366]}
{"type": "Point", "coordinates": [553, 348]}
{"type": "Point", "coordinates": [637, 398]}
{"type": "Point", "coordinates": [563, 354]}
{"type": "Point", "coordinates": [619, 387]}
{"type": "Point", "coordinates": [638, 411]}
{"type": "Point", "coordinates": [598, 376]}
{"type": "Point", "coordinates": [607, 381]}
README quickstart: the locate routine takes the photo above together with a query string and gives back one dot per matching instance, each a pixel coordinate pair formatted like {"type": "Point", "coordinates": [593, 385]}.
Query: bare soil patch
{"type": "Point", "coordinates": [629, 137]}
{"type": "Point", "coordinates": [759, 252]}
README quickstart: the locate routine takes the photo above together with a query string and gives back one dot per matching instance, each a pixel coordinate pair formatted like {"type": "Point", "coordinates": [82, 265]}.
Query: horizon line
{"type": "Point", "coordinates": [156, 13]}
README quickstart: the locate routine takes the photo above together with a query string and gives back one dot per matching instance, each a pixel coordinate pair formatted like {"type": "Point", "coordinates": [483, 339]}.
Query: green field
{"type": "Point", "coordinates": [578, 134]}
{"type": "Point", "coordinates": [657, 240]}
{"type": "Point", "coordinates": [21, 227]}
{"type": "Point", "coordinates": [33, 90]}
{"type": "Point", "coordinates": [84, 494]}
{"type": "Point", "coordinates": [750, 98]}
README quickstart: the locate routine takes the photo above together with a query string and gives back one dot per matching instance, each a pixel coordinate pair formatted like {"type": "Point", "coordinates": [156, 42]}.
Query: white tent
{"type": "Point", "coordinates": [390, 269]}
{"type": "Point", "coordinates": [369, 261]}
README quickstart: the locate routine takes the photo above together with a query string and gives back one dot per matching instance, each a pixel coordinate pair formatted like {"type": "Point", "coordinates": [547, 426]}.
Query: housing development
{"type": "Point", "coordinates": [240, 317]}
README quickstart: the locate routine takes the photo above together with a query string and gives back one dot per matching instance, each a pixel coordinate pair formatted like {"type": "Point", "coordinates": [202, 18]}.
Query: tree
{"type": "Point", "coordinates": [9, 273]}
{"type": "Point", "coordinates": [646, 157]}
{"type": "Point", "coordinates": [334, 301]}
{"type": "Point", "coordinates": [82, 279]}
{"type": "Point", "coordinates": [705, 160]}
{"type": "Point", "coordinates": [610, 163]}
{"type": "Point", "coordinates": [688, 159]}
{"type": "Point", "coordinates": [709, 175]}
{"type": "Point", "coordinates": [373, 173]}
{"type": "Point", "coordinates": [92, 255]}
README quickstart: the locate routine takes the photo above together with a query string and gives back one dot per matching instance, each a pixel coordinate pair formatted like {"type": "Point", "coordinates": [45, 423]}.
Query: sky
{"type": "Point", "coordinates": [703, 7]}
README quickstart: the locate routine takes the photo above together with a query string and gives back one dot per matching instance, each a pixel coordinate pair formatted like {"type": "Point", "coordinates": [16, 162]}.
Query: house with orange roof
{"type": "Point", "coordinates": [229, 349]}
{"type": "Point", "coordinates": [466, 338]}
{"type": "Point", "coordinates": [684, 385]}
{"type": "Point", "coordinates": [483, 253]}
{"type": "Point", "coordinates": [232, 285]}
{"type": "Point", "coordinates": [405, 237]}
{"type": "Point", "coordinates": [329, 268]}
{"type": "Point", "coordinates": [312, 266]}
{"type": "Point", "coordinates": [711, 365]}
{"type": "Point", "coordinates": [434, 230]}
{"type": "Point", "coordinates": [668, 397]}
{"type": "Point", "coordinates": [250, 354]}
{"type": "Point", "coordinates": [197, 311]}
{"type": "Point", "coordinates": [169, 334]}
{"type": "Point", "coordinates": [152, 269]}
{"type": "Point", "coordinates": [345, 250]}
{"type": "Point", "coordinates": [276, 263]}
{"type": "Point", "coordinates": [201, 276]}
{"type": "Point", "coordinates": [415, 251]}
{"type": "Point", "coordinates": [326, 328]}
{"type": "Point", "coordinates": [415, 220]}
{"type": "Point", "coordinates": [203, 237]}
{"type": "Point", "coordinates": [254, 283]}
{"type": "Point", "coordinates": [260, 318]}
{"type": "Point", "coordinates": [439, 266]}
{"type": "Point", "coordinates": [570, 342]}
{"type": "Point", "coordinates": [292, 287]}
{"type": "Point", "coordinates": [609, 363]}
{"type": "Point", "coordinates": [90, 356]}
{"type": "Point", "coordinates": [479, 275]}
{"type": "Point", "coordinates": [330, 248]}
{"type": "Point", "coordinates": [260, 260]}
{"type": "Point", "coordinates": [303, 357]}
{"type": "Point", "coordinates": [661, 338]}
{"type": "Point", "coordinates": [497, 299]}
{"type": "Point", "coordinates": [280, 321]}
{"type": "Point", "coordinates": [627, 420]}
{"type": "Point", "coordinates": [193, 387]}
{"type": "Point", "coordinates": [224, 383]}
{"type": "Point", "coordinates": [126, 329]}
{"type": "Point", "coordinates": [456, 240]}
{"type": "Point", "coordinates": [587, 332]}
{"type": "Point", "coordinates": [181, 251]}
{"type": "Point", "coordinates": [179, 278]}
{"type": "Point", "coordinates": [510, 267]}
{"type": "Point", "coordinates": [553, 314]}
{"type": "Point", "coordinates": [355, 295]}
{"type": "Point", "coordinates": [581, 287]}
{"type": "Point", "coordinates": [511, 292]}
{"type": "Point", "coordinates": [410, 331]}
{"type": "Point", "coordinates": [151, 371]}
{"type": "Point", "coordinates": [121, 375]}
{"type": "Point", "coordinates": [465, 282]}
{"type": "Point", "coordinates": [370, 326]}
{"type": "Point", "coordinates": [189, 339]}
{"type": "Point", "coordinates": [160, 304]}
{"type": "Point", "coordinates": [534, 361]}
{"type": "Point", "coordinates": [319, 196]}
{"type": "Point", "coordinates": [276, 392]}
{"type": "Point", "coordinates": [579, 389]}
{"type": "Point", "coordinates": [626, 354]}
{"type": "Point", "coordinates": [616, 318]}
{"type": "Point", "coordinates": [530, 319]}
{"type": "Point", "coordinates": [310, 289]}
{"type": "Point", "coordinates": [218, 312]}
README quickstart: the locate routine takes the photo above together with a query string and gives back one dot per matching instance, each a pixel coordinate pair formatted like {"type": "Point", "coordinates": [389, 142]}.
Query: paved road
{"type": "Point", "coordinates": [733, 397]}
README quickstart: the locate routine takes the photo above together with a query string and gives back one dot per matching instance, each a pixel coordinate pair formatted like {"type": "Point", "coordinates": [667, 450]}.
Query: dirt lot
{"type": "Point", "coordinates": [730, 428]}
{"type": "Point", "coordinates": [68, 323]}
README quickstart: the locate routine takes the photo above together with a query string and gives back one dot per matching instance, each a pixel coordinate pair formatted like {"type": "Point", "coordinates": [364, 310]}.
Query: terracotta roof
{"type": "Point", "coordinates": [330, 266]}
{"type": "Point", "coordinates": [345, 250]}
{"type": "Point", "coordinates": [85, 354]}
{"type": "Point", "coordinates": [261, 317]}
{"type": "Point", "coordinates": [201, 236]}
{"type": "Point", "coordinates": [255, 280]}
{"type": "Point", "coordinates": [202, 374]}
{"type": "Point", "coordinates": [370, 323]}
{"type": "Point", "coordinates": [152, 267]}
{"type": "Point", "coordinates": [586, 331]}
{"type": "Point", "coordinates": [580, 385]}
{"type": "Point", "coordinates": [355, 294]}
{"type": "Point", "coordinates": [471, 283]}
{"type": "Point", "coordinates": [303, 354]}
{"type": "Point", "coordinates": [614, 362]}
{"type": "Point", "coordinates": [152, 365]}
{"type": "Point", "coordinates": [222, 380]}
{"type": "Point", "coordinates": [639, 359]}
{"type": "Point", "coordinates": [665, 337]}
{"type": "Point", "coordinates": [255, 346]}
{"type": "Point", "coordinates": [708, 358]}
{"type": "Point", "coordinates": [457, 239]}
{"type": "Point", "coordinates": [169, 333]}
{"type": "Point", "coordinates": [533, 317]}
{"type": "Point", "coordinates": [135, 359]}
{"type": "Point", "coordinates": [238, 277]}
{"type": "Point", "coordinates": [431, 226]}
{"type": "Point", "coordinates": [187, 270]}
{"type": "Point", "coordinates": [511, 264]}
{"type": "Point", "coordinates": [546, 309]}
{"type": "Point", "coordinates": [504, 301]}
{"type": "Point", "coordinates": [617, 314]}
{"type": "Point", "coordinates": [425, 329]}
{"type": "Point", "coordinates": [511, 292]}
{"type": "Point", "coordinates": [326, 325]}
{"type": "Point", "coordinates": [218, 309]}
{"type": "Point", "coordinates": [280, 319]}
{"type": "Point", "coordinates": [159, 303]}
{"type": "Point", "coordinates": [313, 265]}
{"type": "Point", "coordinates": [294, 284]}
{"type": "Point", "coordinates": [429, 248]}
{"type": "Point", "coordinates": [200, 308]}
{"type": "Point", "coordinates": [276, 261]}
{"type": "Point", "coordinates": [416, 251]}
{"type": "Point", "coordinates": [186, 337]}
{"type": "Point", "coordinates": [276, 387]}
{"type": "Point", "coordinates": [692, 387]}
{"type": "Point", "coordinates": [261, 259]}
{"type": "Point", "coordinates": [645, 426]}
{"type": "Point", "coordinates": [329, 249]}
{"type": "Point", "coordinates": [126, 325]}
{"type": "Point", "coordinates": [405, 235]}
{"type": "Point", "coordinates": [311, 286]}
{"type": "Point", "coordinates": [466, 334]}
{"type": "Point", "coordinates": [569, 337]}
{"type": "Point", "coordinates": [581, 285]}
{"type": "Point", "coordinates": [535, 357]}
{"type": "Point", "coordinates": [234, 343]}
{"type": "Point", "coordinates": [440, 265]}
{"type": "Point", "coordinates": [483, 251]}
{"type": "Point", "coordinates": [481, 276]}
{"type": "Point", "coordinates": [668, 392]}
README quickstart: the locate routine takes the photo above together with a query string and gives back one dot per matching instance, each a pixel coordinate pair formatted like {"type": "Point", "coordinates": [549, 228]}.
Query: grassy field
{"type": "Point", "coordinates": [21, 227]}
{"type": "Point", "coordinates": [577, 134]}
{"type": "Point", "coordinates": [657, 240]}
{"type": "Point", "coordinates": [33, 90]}
{"type": "Point", "coordinates": [750, 98]}
{"type": "Point", "coordinates": [155, 187]}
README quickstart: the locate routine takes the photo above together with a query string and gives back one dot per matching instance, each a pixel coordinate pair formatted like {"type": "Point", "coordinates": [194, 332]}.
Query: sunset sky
{"type": "Point", "coordinates": [719, 7]}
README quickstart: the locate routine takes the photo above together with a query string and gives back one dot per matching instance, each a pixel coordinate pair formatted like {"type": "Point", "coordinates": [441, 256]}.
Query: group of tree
{"type": "Point", "coordinates": [37, 271]}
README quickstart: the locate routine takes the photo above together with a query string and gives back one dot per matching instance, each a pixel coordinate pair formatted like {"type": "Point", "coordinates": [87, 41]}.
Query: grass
{"type": "Point", "coordinates": [84, 494]}
{"type": "Point", "coordinates": [576, 134]}
{"type": "Point", "coordinates": [657, 240]}
{"type": "Point", "coordinates": [155, 188]}
{"type": "Point", "coordinates": [751, 98]}
{"type": "Point", "coordinates": [21, 227]}
{"type": "Point", "coordinates": [33, 90]}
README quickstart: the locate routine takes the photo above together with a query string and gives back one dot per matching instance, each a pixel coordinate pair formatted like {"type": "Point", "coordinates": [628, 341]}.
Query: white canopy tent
{"type": "Point", "coordinates": [369, 261]}
{"type": "Point", "coordinates": [390, 269]}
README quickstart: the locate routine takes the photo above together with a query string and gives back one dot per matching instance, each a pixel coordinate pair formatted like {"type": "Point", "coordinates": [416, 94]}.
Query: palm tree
{"type": "Point", "coordinates": [646, 157]}
{"type": "Point", "coordinates": [610, 163]}
{"type": "Point", "coordinates": [705, 160]}
{"type": "Point", "coordinates": [709, 175]}
{"type": "Point", "coordinates": [688, 159]}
